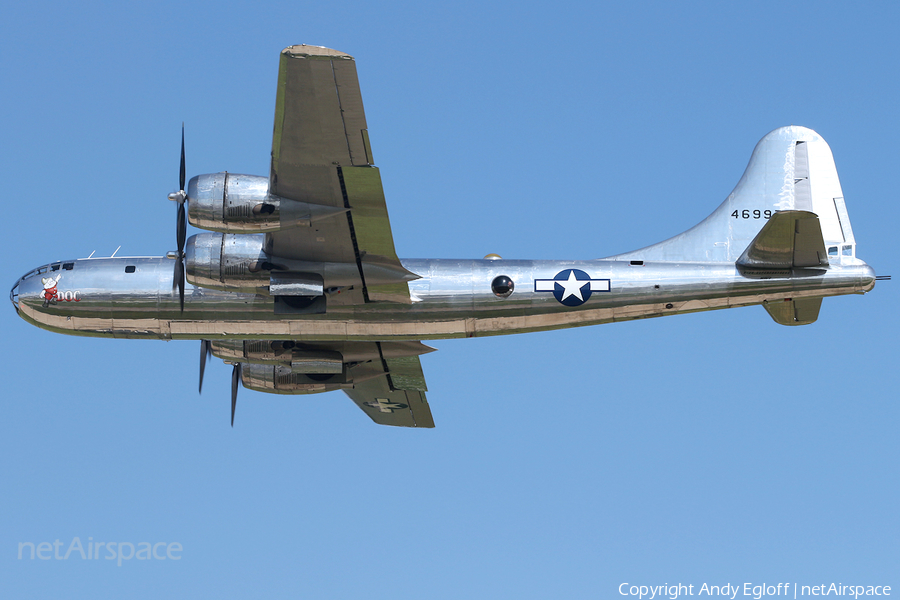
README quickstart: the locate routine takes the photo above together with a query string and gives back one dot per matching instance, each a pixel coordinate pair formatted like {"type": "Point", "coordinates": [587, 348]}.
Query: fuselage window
{"type": "Point", "coordinates": [129, 269]}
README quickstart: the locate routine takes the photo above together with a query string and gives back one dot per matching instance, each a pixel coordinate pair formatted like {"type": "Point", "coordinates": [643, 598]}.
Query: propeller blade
{"type": "Point", "coordinates": [179, 261]}
{"type": "Point", "coordinates": [205, 352]}
{"type": "Point", "coordinates": [182, 173]}
{"type": "Point", "coordinates": [181, 284]}
{"type": "Point", "coordinates": [175, 272]}
{"type": "Point", "coordinates": [235, 379]}
{"type": "Point", "coordinates": [180, 197]}
{"type": "Point", "coordinates": [181, 224]}
{"type": "Point", "coordinates": [178, 279]}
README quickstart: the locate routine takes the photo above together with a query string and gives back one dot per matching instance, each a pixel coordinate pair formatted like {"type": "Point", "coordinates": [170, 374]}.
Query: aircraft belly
{"type": "Point", "coordinates": [94, 326]}
{"type": "Point", "coordinates": [442, 328]}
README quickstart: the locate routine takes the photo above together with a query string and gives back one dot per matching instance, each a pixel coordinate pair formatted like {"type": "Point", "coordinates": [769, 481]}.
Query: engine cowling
{"type": "Point", "coordinates": [232, 262]}
{"type": "Point", "coordinates": [236, 203]}
{"type": "Point", "coordinates": [283, 379]}
{"type": "Point", "coordinates": [277, 379]}
{"type": "Point", "coordinates": [239, 262]}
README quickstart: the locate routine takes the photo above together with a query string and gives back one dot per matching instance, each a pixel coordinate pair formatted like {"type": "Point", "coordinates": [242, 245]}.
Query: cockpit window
{"type": "Point", "coordinates": [832, 251]}
{"type": "Point", "coordinates": [46, 268]}
{"type": "Point", "coordinates": [38, 271]}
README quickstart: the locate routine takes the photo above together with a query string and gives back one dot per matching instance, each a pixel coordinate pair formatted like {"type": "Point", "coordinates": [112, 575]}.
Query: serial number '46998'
{"type": "Point", "coordinates": [752, 214]}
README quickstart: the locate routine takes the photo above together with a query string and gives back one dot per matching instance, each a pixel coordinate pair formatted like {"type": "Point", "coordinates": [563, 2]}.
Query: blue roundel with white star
{"type": "Point", "coordinates": [571, 287]}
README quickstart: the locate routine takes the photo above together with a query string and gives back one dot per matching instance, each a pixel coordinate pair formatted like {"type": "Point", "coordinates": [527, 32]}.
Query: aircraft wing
{"type": "Point", "coordinates": [321, 155]}
{"type": "Point", "coordinates": [397, 398]}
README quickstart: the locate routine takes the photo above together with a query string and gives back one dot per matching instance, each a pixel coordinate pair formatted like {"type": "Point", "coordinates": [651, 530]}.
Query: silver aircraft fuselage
{"type": "Point", "coordinates": [133, 298]}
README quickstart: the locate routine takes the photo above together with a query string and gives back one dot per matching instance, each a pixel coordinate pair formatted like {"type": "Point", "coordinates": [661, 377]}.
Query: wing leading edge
{"type": "Point", "coordinates": [321, 155]}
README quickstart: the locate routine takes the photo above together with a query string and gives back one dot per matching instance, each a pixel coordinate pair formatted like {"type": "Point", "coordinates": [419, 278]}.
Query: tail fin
{"type": "Point", "coordinates": [791, 168]}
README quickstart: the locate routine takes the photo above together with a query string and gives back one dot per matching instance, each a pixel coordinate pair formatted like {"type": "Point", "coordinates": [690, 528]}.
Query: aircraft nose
{"type": "Point", "coordinates": [27, 288]}
{"type": "Point", "coordinates": [14, 295]}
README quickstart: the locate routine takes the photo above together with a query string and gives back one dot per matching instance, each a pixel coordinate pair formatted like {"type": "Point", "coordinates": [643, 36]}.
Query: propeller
{"type": "Point", "coordinates": [205, 352]}
{"type": "Point", "coordinates": [180, 197]}
{"type": "Point", "coordinates": [235, 379]}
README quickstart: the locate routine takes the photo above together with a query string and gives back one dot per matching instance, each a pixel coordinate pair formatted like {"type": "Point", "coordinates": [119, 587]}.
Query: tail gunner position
{"type": "Point", "coordinates": [297, 283]}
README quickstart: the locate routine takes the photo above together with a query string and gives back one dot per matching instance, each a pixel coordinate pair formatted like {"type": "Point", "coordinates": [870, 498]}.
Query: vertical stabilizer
{"type": "Point", "coordinates": [791, 168]}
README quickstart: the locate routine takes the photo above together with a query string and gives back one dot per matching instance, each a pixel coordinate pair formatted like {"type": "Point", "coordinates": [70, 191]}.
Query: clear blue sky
{"type": "Point", "coordinates": [716, 447]}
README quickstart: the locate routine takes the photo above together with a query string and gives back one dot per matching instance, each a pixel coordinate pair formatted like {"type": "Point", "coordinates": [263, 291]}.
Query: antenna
{"type": "Point", "coordinates": [114, 253]}
{"type": "Point", "coordinates": [92, 254]}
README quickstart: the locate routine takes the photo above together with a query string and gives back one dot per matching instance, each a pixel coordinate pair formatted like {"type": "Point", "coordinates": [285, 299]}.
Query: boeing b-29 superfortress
{"type": "Point", "coordinates": [297, 283]}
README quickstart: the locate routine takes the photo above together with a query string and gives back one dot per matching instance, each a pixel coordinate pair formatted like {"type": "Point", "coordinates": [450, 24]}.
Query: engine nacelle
{"type": "Point", "coordinates": [239, 262]}
{"type": "Point", "coordinates": [277, 379]}
{"type": "Point", "coordinates": [301, 358]}
{"type": "Point", "coordinates": [231, 202]}
{"type": "Point", "coordinates": [232, 262]}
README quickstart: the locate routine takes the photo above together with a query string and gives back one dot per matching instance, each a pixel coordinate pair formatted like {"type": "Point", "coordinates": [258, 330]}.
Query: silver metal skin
{"type": "Point", "coordinates": [301, 289]}
{"type": "Point", "coordinates": [791, 168]}
{"type": "Point", "coordinates": [452, 299]}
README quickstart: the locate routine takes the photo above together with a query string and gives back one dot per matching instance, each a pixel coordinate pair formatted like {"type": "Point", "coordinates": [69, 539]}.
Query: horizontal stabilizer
{"type": "Point", "coordinates": [790, 239]}
{"type": "Point", "coordinates": [801, 311]}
